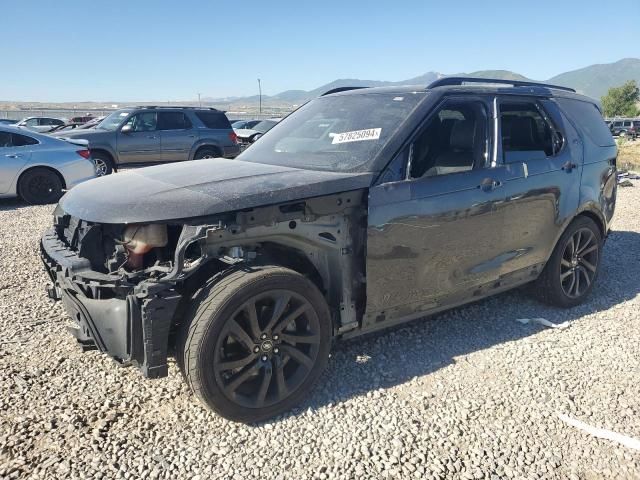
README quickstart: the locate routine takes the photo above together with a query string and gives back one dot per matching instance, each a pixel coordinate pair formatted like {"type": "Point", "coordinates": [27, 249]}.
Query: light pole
{"type": "Point", "coordinates": [199, 102]}
{"type": "Point", "coordinates": [260, 96]}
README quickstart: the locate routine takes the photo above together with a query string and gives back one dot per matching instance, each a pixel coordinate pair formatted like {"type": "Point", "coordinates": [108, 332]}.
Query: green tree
{"type": "Point", "coordinates": [622, 101]}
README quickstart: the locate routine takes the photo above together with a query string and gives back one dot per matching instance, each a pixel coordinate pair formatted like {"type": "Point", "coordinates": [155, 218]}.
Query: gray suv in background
{"type": "Point", "coordinates": [150, 134]}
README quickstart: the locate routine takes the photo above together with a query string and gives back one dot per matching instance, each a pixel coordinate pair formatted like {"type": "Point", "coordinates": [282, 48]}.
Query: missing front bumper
{"type": "Point", "coordinates": [132, 327]}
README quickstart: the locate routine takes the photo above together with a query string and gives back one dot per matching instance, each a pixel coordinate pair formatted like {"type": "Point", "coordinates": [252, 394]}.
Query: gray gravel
{"type": "Point", "coordinates": [467, 394]}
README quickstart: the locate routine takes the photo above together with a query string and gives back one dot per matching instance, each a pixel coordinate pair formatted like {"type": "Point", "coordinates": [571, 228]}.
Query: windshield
{"type": "Point", "coordinates": [264, 126]}
{"type": "Point", "coordinates": [114, 120]}
{"type": "Point", "coordinates": [335, 133]}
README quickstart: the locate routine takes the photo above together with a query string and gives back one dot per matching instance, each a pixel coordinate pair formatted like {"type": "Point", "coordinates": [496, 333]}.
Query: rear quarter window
{"type": "Point", "coordinates": [216, 120]}
{"type": "Point", "coordinates": [589, 119]}
{"type": "Point", "coordinates": [22, 140]}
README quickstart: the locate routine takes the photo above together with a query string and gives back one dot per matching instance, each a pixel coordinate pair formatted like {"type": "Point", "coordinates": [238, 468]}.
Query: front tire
{"type": "Point", "coordinates": [255, 342]}
{"type": "Point", "coordinates": [40, 186]}
{"type": "Point", "coordinates": [569, 275]}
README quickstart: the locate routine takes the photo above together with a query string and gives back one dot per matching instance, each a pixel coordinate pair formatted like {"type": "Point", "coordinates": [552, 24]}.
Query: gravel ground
{"type": "Point", "coordinates": [466, 394]}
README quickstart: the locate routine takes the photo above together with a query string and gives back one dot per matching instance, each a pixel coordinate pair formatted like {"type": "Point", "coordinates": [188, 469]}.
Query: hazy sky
{"type": "Point", "coordinates": [71, 50]}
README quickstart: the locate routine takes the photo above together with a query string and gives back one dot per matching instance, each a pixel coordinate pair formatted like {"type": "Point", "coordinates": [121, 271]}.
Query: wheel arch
{"type": "Point", "coordinates": [106, 152]}
{"type": "Point", "coordinates": [589, 211]}
{"type": "Point", "coordinates": [297, 260]}
{"type": "Point", "coordinates": [205, 144]}
{"type": "Point", "coordinates": [597, 217]}
{"type": "Point", "coordinates": [34, 167]}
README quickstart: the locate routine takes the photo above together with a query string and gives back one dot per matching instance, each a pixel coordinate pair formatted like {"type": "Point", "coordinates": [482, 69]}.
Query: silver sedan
{"type": "Point", "coordinates": [39, 168]}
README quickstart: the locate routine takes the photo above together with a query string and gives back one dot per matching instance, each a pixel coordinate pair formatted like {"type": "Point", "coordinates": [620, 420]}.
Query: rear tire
{"type": "Point", "coordinates": [254, 342]}
{"type": "Point", "coordinates": [40, 186]}
{"type": "Point", "coordinates": [206, 153]}
{"type": "Point", "coordinates": [104, 164]}
{"type": "Point", "coordinates": [569, 275]}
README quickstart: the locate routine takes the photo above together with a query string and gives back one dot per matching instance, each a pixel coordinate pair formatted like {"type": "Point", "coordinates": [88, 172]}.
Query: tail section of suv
{"type": "Point", "coordinates": [150, 135]}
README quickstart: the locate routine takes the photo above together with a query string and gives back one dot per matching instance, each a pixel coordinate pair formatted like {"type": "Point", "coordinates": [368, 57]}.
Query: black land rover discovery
{"type": "Point", "coordinates": [363, 209]}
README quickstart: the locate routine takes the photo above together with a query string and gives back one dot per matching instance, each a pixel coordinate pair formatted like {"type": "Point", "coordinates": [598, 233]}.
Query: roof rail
{"type": "Point", "coordinates": [177, 106]}
{"type": "Point", "coordinates": [447, 81]}
{"type": "Point", "coordinates": [340, 89]}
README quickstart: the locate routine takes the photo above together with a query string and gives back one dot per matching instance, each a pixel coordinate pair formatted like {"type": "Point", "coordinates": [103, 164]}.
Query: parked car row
{"type": "Point", "coordinates": [151, 134]}
{"type": "Point", "coordinates": [136, 136]}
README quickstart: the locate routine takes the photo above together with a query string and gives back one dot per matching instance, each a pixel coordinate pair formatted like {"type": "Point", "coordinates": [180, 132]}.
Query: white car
{"type": "Point", "coordinates": [39, 168]}
{"type": "Point", "coordinates": [247, 136]}
{"type": "Point", "coordinates": [40, 124]}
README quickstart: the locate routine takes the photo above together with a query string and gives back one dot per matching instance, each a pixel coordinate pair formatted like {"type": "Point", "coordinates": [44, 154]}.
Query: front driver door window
{"type": "Point", "coordinates": [142, 143]}
{"type": "Point", "coordinates": [434, 236]}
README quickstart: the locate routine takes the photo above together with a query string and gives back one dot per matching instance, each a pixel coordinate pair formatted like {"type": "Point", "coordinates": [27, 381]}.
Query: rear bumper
{"type": "Point", "coordinates": [231, 152]}
{"type": "Point", "coordinates": [78, 171]}
{"type": "Point", "coordinates": [130, 323]}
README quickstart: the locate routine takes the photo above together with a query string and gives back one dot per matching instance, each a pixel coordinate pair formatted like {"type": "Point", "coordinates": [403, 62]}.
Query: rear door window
{"type": "Point", "coordinates": [589, 119]}
{"type": "Point", "coordinates": [526, 132]}
{"type": "Point", "coordinates": [173, 121]}
{"type": "Point", "coordinates": [215, 120]}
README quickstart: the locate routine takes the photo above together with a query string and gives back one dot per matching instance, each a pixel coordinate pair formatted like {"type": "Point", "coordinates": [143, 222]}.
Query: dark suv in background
{"type": "Point", "coordinates": [625, 128]}
{"type": "Point", "coordinates": [361, 210]}
{"type": "Point", "coordinates": [151, 134]}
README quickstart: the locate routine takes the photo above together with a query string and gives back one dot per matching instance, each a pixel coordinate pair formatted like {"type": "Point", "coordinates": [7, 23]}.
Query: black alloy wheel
{"type": "Point", "coordinates": [579, 263]}
{"type": "Point", "coordinates": [267, 348]}
{"type": "Point", "coordinates": [571, 271]}
{"type": "Point", "coordinates": [255, 341]}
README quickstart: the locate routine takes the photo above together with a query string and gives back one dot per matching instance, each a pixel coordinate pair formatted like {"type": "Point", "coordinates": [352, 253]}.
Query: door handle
{"type": "Point", "coordinates": [489, 184]}
{"type": "Point", "coordinates": [13, 155]}
{"type": "Point", "coordinates": [192, 136]}
{"type": "Point", "coordinates": [152, 137]}
{"type": "Point", "coordinates": [568, 166]}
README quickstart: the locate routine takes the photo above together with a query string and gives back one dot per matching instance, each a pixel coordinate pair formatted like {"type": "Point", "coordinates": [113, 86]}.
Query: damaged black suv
{"type": "Point", "coordinates": [363, 209]}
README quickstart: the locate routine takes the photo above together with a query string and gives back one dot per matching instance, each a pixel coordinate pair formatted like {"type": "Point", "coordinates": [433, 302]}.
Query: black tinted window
{"type": "Point", "coordinates": [589, 119]}
{"type": "Point", "coordinates": [524, 129]}
{"type": "Point", "coordinates": [453, 141]}
{"type": "Point", "coordinates": [173, 121]}
{"type": "Point", "coordinates": [213, 119]}
{"type": "Point", "coordinates": [5, 139]}
{"type": "Point", "coordinates": [22, 140]}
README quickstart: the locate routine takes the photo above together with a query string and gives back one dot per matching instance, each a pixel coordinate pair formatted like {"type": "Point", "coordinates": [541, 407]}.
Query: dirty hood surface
{"type": "Point", "coordinates": [199, 188]}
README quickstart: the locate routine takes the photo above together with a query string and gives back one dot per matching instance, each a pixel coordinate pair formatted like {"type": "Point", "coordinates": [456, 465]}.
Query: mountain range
{"type": "Point", "coordinates": [594, 81]}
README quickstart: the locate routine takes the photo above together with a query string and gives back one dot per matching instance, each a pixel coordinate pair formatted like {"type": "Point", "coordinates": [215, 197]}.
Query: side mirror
{"type": "Point", "coordinates": [126, 129]}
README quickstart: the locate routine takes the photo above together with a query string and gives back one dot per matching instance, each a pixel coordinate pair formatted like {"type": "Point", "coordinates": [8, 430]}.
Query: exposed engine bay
{"type": "Point", "coordinates": [136, 268]}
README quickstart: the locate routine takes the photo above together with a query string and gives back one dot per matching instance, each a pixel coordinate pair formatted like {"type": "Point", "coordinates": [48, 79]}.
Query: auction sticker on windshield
{"type": "Point", "coordinates": [357, 135]}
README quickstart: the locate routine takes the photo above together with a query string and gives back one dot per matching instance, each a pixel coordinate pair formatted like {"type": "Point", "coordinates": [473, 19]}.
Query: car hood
{"type": "Point", "coordinates": [199, 188]}
{"type": "Point", "coordinates": [245, 132]}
